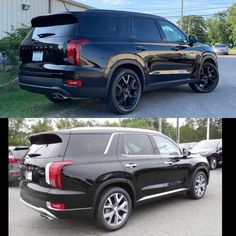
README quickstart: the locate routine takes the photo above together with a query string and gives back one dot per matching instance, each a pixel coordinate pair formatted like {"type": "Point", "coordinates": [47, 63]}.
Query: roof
{"type": "Point", "coordinates": [77, 4]}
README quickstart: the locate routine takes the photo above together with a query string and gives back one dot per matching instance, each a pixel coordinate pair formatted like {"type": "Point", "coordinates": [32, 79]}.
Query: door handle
{"type": "Point", "coordinates": [131, 165]}
{"type": "Point", "coordinates": [140, 48]}
{"type": "Point", "coordinates": [168, 162]}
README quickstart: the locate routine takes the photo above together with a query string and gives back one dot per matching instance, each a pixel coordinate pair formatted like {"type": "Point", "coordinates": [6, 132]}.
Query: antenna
{"type": "Point", "coordinates": [65, 6]}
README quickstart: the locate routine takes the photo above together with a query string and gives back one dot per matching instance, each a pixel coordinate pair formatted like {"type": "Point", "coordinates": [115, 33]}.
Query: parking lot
{"type": "Point", "coordinates": [173, 216]}
{"type": "Point", "coordinates": [178, 101]}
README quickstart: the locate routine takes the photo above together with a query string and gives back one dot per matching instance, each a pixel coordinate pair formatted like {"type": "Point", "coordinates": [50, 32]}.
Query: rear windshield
{"type": "Point", "coordinates": [53, 31]}
{"type": "Point", "coordinates": [87, 145]}
{"type": "Point", "coordinates": [20, 153]}
{"type": "Point", "coordinates": [97, 25]}
{"type": "Point", "coordinates": [45, 145]}
{"type": "Point", "coordinates": [220, 45]}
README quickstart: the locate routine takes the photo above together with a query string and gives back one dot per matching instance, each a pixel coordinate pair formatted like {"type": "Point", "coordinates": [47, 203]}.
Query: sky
{"type": "Point", "coordinates": [168, 9]}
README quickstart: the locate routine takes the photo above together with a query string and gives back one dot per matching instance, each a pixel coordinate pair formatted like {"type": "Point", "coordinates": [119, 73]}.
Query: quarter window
{"type": "Point", "coordinates": [145, 29]}
{"type": "Point", "coordinates": [137, 144]}
{"type": "Point", "coordinates": [172, 33]}
{"type": "Point", "coordinates": [166, 147]}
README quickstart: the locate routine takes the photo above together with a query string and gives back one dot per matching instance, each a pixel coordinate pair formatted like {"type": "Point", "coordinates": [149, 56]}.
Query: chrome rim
{"type": "Point", "coordinates": [208, 78]}
{"type": "Point", "coordinates": [200, 185]}
{"type": "Point", "coordinates": [115, 209]}
{"type": "Point", "coordinates": [213, 163]}
{"type": "Point", "coordinates": [127, 92]}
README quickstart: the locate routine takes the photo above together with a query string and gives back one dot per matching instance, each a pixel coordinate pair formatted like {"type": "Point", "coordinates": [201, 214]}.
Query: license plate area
{"type": "Point", "coordinates": [28, 175]}
{"type": "Point", "coordinates": [37, 56]}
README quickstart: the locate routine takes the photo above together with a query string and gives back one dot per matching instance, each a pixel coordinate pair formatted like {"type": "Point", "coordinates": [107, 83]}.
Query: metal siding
{"type": "Point", "coordinates": [11, 12]}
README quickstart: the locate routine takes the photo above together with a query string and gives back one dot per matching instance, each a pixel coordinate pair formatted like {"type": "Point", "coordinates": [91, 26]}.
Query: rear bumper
{"type": "Point", "coordinates": [37, 198]}
{"type": "Point", "coordinates": [91, 87]}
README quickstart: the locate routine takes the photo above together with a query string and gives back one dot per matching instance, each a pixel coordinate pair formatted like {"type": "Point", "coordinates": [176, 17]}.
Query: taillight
{"type": "Point", "coordinates": [53, 173]}
{"type": "Point", "coordinates": [73, 51]}
{"type": "Point", "coordinates": [13, 160]}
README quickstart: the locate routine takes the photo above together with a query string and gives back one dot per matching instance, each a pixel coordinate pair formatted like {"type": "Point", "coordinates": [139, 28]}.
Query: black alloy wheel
{"type": "Point", "coordinates": [125, 91]}
{"type": "Point", "coordinates": [209, 78]}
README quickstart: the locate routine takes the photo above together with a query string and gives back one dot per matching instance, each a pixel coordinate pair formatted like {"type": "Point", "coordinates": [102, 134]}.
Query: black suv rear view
{"type": "Point", "coordinates": [106, 172]}
{"type": "Point", "coordinates": [112, 55]}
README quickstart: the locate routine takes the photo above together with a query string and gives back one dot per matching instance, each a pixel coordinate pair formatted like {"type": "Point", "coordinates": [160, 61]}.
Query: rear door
{"type": "Point", "coordinates": [137, 156]}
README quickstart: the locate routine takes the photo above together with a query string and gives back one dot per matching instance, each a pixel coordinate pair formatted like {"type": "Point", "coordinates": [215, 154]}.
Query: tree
{"type": "Point", "coordinates": [42, 125]}
{"type": "Point", "coordinates": [194, 25]}
{"type": "Point", "coordinates": [18, 134]}
{"type": "Point", "coordinates": [231, 20]}
{"type": "Point", "coordinates": [10, 44]}
{"type": "Point", "coordinates": [218, 29]}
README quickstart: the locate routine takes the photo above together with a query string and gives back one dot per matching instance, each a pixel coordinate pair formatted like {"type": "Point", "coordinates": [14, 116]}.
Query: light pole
{"type": "Point", "coordinates": [182, 12]}
{"type": "Point", "coordinates": [177, 131]}
{"type": "Point", "coordinates": [208, 128]}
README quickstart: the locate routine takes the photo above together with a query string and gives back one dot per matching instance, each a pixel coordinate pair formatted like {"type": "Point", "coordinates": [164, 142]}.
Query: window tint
{"type": "Point", "coordinates": [99, 25]}
{"type": "Point", "coordinates": [44, 150]}
{"type": "Point", "coordinates": [165, 146]}
{"type": "Point", "coordinates": [54, 31]}
{"type": "Point", "coordinates": [137, 144]}
{"type": "Point", "coordinates": [145, 29]}
{"type": "Point", "coordinates": [87, 144]}
{"type": "Point", "coordinates": [172, 33]}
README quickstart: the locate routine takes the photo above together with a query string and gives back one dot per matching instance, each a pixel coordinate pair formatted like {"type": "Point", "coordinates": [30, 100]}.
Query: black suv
{"type": "Point", "coordinates": [106, 172]}
{"type": "Point", "coordinates": [211, 149]}
{"type": "Point", "coordinates": [112, 55]}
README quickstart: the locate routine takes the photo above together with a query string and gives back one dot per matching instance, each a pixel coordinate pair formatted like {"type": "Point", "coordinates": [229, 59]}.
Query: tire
{"type": "Point", "coordinates": [54, 100]}
{"type": "Point", "coordinates": [213, 163]}
{"type": "Point", "coordinates": [124, 92]}
{"type": "Point", "coordinates": [208, 79]}
{"type": "Point", "coordinates": [109, 220]}
{"type": "Point", "coordinates": [197, 192]}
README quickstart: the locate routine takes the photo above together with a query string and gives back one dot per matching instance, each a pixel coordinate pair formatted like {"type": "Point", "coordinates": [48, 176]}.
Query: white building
{"type": "Point", "coordinates": [17, 12]}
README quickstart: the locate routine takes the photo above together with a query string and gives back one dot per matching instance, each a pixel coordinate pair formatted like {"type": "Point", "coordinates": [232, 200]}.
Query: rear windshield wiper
{"type": "Point", "coordinates": [45, 35]}
{"type": "Point", "coordinates": [34, 155]}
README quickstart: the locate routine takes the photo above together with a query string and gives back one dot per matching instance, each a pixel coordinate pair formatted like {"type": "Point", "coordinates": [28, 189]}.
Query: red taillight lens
{"type": "Point", "coordinates": [73, 51]}
{"type": "Point", "coordinates": [55, 205]}
{"type": "Point", "coordinates": [13, 160]}
{"type": "Point", "coordinates": [53, 173]}
{"type": "Point", "coordinates": [74, 82]}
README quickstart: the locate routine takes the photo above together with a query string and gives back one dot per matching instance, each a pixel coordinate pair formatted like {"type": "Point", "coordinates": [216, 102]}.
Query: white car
{"type": "Point", "coordinates": [220, 48]}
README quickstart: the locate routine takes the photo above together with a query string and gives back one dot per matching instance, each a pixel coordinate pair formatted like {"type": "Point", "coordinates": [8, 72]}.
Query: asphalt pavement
{"type": "Point", "coordinates": [173, 216]}
{"type": "Point", "coordinates": [178, 101]}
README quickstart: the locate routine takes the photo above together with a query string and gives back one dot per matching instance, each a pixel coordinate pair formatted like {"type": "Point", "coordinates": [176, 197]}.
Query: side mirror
{"type": "Point", "coordinates": [185, 152]}
{"type": "Point", "coordinates": [192, 39]}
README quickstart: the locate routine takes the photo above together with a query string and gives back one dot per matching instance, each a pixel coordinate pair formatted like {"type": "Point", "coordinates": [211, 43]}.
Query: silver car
{"type": "Point", "coordinates": [220, 48]}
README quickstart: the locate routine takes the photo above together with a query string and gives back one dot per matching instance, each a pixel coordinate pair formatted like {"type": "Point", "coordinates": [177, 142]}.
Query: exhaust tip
{"type": "Point", "coordinates": [59, 96]}
{"type": "Point", "coordinates": [46, 216]}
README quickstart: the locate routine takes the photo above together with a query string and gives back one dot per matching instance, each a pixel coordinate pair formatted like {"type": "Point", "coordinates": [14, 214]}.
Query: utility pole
{"type": "Point", "coordinates": [208, 128]}
{"type": "Point", "coordinates": [160, 125]}
{"type": "Point", "coordinates": [182, 13]}
{"type": "Point", "coordinates": [177, 131]}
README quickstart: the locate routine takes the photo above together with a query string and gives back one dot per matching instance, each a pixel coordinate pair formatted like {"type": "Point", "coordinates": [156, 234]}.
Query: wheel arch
{"type": "Point", "coordinates": [204, 169]}
{"type": "Point", "coordinates": [207, 57]}
{"type": "Point", "coordinates": [127, 64]}
{"type": "Point", "coordinates": [125, 184]}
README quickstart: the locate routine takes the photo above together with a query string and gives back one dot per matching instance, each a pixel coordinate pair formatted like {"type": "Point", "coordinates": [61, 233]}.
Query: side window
{"type": "Point", "coordinates": [145, 29]}
{"type": "Point", "coordinates": [87, 145]}
{"type": "Point", "coordinates": [137, 144]}
{"type": "Point", "coordinates": [166, 147]}
{"type": "Point", "coordinates": [172, 33]}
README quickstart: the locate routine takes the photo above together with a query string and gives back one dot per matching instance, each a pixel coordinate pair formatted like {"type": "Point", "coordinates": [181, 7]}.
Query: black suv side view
{"type": "Point", "coordinates": [106, 172]}
{"type": "Point", "coordinates": [112, 55]}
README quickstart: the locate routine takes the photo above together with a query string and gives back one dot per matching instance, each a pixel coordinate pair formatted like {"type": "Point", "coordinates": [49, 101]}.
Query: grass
{"type": "Point", "coordinates": [232, 50]}
{"type": "Point", "coordinates": [7, 79]}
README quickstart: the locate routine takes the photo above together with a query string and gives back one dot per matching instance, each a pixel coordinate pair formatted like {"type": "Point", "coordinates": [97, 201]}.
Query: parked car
{"type": "Point", "coordinates": [220, 48]}
{"type": "Point", "coordinates": [212, 149]}
{"type": "Point", "coordinates": [15, 155]}
{"type": "Point", "coordinates": [106, 172]}
{"type": "Point", "coordinates": [187, 145]}
{"type": "Point", "coordinates": [112, 55]}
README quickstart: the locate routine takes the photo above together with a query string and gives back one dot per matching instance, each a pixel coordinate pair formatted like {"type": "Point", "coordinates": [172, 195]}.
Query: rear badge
{"type": "Point", "coordinates": [37, 56]}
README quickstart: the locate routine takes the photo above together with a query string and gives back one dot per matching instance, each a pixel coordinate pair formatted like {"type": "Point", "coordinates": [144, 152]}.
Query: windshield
{"type": "Point", "coordinates": [220, 45]}
{"type": "Point", "coordinates": [206, 144]}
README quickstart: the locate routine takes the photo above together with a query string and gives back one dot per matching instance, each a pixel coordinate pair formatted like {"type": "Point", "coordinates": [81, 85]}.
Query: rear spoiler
{"type": "Point", "coordinates": [45, 138]}
{"type": "Point", "coordinates": [54, 19]}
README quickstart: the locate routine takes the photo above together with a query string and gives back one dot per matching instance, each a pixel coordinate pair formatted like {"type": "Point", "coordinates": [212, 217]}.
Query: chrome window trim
{"type": "Point", "coordinates": [109, 143]}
